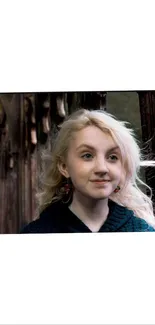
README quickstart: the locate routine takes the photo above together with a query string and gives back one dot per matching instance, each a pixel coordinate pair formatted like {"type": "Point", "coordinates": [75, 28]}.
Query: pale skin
{"type": "Point", "coordinates": [92, 157]}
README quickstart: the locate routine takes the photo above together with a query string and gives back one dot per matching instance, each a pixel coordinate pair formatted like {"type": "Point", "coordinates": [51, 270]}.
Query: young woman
{"type": "Point", "coordinates": [93, 177]}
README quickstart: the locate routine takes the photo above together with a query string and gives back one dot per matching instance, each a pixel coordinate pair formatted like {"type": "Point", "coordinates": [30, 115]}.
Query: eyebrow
{"type": "Point", "coordinates": [92, 148]}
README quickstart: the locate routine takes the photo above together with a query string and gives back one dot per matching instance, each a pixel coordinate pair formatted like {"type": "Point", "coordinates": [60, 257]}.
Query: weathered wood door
{"type": "Point", "coordinates": [28, 124]}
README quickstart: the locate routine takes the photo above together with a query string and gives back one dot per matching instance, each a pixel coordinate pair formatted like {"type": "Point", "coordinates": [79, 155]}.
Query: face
{"type": "Point", "coordinates": [93, 163]}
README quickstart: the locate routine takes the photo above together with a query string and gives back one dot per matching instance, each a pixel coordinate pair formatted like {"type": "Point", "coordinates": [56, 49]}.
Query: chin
{"type": "Point", "coordinates": [99, 197]}
{"type": "Point", "coordinates": [96, 195]}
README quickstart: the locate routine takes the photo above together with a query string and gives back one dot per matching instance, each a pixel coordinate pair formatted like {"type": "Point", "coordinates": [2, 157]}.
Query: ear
{"type": "Point", "coordinates": [62, 167]}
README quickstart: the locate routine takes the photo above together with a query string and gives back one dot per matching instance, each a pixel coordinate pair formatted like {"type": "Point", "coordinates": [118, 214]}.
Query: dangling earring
{"type": "Point", "coordinates": [68, 189]}
{"type": "Point", "coordinates": [117, 189]}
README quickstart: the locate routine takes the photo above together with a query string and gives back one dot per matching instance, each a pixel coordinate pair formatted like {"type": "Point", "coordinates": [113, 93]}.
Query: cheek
{"type": "Point", "coordinates": [79, 173]}
{"type": "Point", "coordinates": [77, 166]}
{"type": "Point", "coordinates": [117, 170]}
{"type": "Point", "coordinates": [123, 177]}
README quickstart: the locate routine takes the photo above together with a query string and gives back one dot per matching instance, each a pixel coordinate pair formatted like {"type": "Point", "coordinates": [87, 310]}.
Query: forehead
{"type": "Point", "coordinates": [93, 136]}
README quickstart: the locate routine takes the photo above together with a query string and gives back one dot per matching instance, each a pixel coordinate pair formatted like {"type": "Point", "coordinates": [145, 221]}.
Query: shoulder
{"type": "Point", "coordinates": [142, 225]}
{"type": "Point", "coordinates": [33, 227]}
{"type": "Point", "coordinates": [47, 221]}
{"type": "Point", "coordinates": [130, 222]}
{"type": "Point", "coordinates": [139, 225]}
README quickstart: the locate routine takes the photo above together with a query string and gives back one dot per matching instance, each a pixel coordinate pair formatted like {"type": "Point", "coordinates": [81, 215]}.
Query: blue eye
{"type": "Point", "coordinates": [87, 156]}
{"type": "Point", "coordinates": [114, 157]}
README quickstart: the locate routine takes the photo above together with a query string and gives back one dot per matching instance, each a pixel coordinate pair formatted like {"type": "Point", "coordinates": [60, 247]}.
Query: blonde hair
{"type": "Point", "coordinates": [130, 195]}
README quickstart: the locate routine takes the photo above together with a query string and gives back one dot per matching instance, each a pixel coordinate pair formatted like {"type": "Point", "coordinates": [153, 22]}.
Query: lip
{"type": "Point", "coordinates": [100, 181]}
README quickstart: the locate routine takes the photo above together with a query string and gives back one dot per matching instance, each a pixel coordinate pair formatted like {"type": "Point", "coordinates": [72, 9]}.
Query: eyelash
{"type": "Point", "coordinates": [91, 155]}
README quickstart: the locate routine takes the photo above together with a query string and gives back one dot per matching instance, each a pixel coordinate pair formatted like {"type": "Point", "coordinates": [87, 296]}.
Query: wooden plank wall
{"type": "Point", "coordinates": [147, 112]}
{"type": "Point", "coordinates": [18, 184]}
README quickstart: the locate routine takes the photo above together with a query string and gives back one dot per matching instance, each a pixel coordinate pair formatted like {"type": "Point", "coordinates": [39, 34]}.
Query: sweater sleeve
{"type": "Point", "coordinates": [150, 228]}
{"type": "Point", "coordinates": [31, 228]}
{"type": "Point", "coordinates": [140, 225]}
{"type": "Point", "coordinates": [36, 226]}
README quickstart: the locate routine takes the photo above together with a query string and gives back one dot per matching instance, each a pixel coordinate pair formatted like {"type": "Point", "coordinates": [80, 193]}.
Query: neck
{"type": "Point", "coordinates": [92, 212]}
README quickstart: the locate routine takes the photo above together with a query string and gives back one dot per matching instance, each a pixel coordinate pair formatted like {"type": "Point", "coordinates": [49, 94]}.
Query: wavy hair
{"type": "Point", "coordinates": [130, 195]}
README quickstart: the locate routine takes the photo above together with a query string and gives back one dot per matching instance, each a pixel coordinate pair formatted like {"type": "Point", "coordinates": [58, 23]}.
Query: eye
{"type": "Point", "coordinates": [87, 156]}
{"type": "Point", "coordinates": [113, 157]}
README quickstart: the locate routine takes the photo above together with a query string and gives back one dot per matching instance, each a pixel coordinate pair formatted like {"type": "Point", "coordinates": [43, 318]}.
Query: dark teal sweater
{"type": "Point", "coordinates": [57, 218]}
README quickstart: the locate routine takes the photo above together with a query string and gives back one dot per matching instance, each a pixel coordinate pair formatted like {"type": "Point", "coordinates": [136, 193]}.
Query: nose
{"type": "Point", "coordinates": [101, 166]}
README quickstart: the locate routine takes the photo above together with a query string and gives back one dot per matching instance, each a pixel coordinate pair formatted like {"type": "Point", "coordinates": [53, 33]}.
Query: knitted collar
{"type": "Point", "coordinates": [118, 216]}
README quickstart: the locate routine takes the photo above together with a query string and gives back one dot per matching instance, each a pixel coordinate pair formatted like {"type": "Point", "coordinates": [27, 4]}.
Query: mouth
{"type": "Point", "coordinates": [101, 180]}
